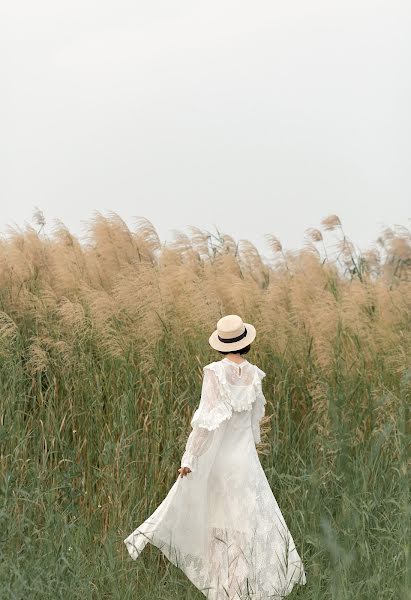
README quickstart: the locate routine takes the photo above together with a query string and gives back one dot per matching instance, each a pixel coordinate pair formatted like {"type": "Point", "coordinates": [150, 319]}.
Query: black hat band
{"type": "Point", "coordinates": [236, 339]}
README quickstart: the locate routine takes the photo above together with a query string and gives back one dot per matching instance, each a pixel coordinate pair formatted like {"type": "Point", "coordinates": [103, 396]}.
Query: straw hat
{"type": "Point", "coordinates": [232, 334]}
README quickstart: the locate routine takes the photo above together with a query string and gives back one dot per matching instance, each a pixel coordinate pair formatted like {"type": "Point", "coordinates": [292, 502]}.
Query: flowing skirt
{"type": "Point", "coordinates": [222, 526]}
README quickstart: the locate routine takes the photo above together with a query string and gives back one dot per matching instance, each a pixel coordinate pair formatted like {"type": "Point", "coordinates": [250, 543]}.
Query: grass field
{"type": "Point", "coordinates": [101, 350]}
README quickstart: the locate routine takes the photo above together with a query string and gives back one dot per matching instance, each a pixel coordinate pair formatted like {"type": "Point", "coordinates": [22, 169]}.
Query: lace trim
{"type": "Point", "coordinates": [246, 402]}
{"type": "Point", "coordinates": [259, 410]}
{"type": "Point", "coordinates": [189, 460]}
{"type": "Point", "coordinates": [258, 377]}
{"type": "Point", "coordinates": [236, 567]}
{"type": "Point", "coordinates": [212, 418]}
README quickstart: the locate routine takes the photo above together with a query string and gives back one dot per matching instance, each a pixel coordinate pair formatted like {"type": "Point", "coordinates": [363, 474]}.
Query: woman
{"type": "Point", "coordinates": [220, 522]}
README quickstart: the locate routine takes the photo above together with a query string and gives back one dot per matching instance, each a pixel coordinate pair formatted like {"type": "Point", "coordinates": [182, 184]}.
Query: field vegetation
{"type": "Point", "coordinates": [102, 343]}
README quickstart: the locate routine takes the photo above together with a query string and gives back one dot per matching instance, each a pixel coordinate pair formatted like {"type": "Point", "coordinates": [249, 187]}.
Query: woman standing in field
{"type": "Point", "coordinates": [220, 522]}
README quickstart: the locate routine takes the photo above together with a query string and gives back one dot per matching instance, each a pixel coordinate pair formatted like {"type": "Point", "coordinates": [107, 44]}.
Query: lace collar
{"type": "Point", "coordinates": [238, 397]}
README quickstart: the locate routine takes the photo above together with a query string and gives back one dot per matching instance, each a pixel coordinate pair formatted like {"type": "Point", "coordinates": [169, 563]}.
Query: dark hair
{"type": "Point", "coordinates": [241, 351]}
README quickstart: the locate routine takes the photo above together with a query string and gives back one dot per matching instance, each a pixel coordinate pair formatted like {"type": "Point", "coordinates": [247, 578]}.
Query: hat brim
{"type": "Point", "coordinates": [230, 346]}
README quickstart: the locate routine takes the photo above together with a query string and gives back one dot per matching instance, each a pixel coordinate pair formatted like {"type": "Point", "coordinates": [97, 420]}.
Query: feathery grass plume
{"type": "Point", "coordinates": [396, 262]}
{"type": "Point", "coordinates": [352, 260]}
{"type": "Point", "coordinates": [37, 357]}
{"type": "Point", "coordinates": [397, 245]}
{"type": "Point", "coordinates": [104, 312]}
{"type": "Point", "coordinates": [401, 248]}
{"type": "Point", "coordinates": [309, 247]}
{"type": "Point", "coordinates": [139, 301]}
{"type": "Point", "coordinates": [110, 244]}
{"type": "Point", "coordinates": [346, 250]}
{"type": "Point", "coordinates": [372, 261]}
{"type": "Point", "coordinates": [322, 426]}
{"type": "Point", "coordinates": [274, 243]}
{"type": "Point", "coordinates": [264, 447]}
{"type": "Point", "coordinates": [113, 246]}
{"type": "Point", "coordinates": [355, 322]}
{"type": "Point", "coordinates": [8, 335]}
{"type": "Point", "coordinates": [72, 316]}
{"type": "Point", "coordinates": [229, 245]}
{"type": "Point", "coordinates": [200, 241]}
{"type": "Point", "coordinates": [273, 317]}
{"type": "Point", "coordinates": [8, 328]}
{"type": "Point", "coordinates": [69, 266]}
{"type": "Point", "coordinates": [147, 238]}
{"type": "Point", "coordinates": [391, 331]}
{"type": "Point", "coordinates": [47, 353]}
{"type": "Point", "coordinates": [276, 247]}
{"type": "Point", "coordinates": [38, 217]}
{"type": "Point", "coordinates": [250, 260]}
{"type": "Point", "coordinates": [314, 234]}
{"type": "Point", "coordinates": [23, 256]}
{"type": "Point", "coordinates": [308, 266]}
{"type": "Point", "coordinates": [319, 318]}
{"type": "Point", "coordinates": [181, 242]}
{"type": "Point", "coordinates": [220, 243]}
{"type": "Point", "coordinates": [331, 222]}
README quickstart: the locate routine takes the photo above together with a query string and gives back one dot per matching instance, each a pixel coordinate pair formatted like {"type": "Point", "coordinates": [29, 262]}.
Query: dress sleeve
{"type": "Point", "coordinates": [212, 410]}
{"type": "Point", "coordinates": [198, 442]}
{"type": "Point", "coordinates": [258, 409]}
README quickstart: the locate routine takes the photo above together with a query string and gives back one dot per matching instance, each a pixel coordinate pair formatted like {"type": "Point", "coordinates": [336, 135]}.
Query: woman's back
{"type": "Point", "coordinates": [238, 373]}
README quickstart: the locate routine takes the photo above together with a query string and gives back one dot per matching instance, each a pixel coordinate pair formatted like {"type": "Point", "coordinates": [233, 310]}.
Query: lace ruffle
{"type": "Point", "coordinates": [245, 402]}
{"type": "Point", "coordinates": [258, 377]}
{"type": "Point", "coordinates": [211, 418]}
{"type": "Point", "coordinates": [259, 408]}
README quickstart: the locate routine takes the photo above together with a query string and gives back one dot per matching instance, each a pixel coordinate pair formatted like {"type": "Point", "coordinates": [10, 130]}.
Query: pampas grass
{"type": "Point", "coordinates": [101, 348]}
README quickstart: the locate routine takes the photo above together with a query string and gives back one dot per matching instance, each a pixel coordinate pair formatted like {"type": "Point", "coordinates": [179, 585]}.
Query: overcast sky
{"type": "Point", "coordinates": [256, 117]}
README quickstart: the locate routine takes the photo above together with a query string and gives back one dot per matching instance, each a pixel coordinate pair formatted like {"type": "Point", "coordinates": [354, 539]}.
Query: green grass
{"type": "Point", "coordinates": [87, 459]}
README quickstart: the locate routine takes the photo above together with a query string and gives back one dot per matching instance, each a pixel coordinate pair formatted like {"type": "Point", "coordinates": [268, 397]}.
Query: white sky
{"type": "Point", "coordinates": [257, 117]}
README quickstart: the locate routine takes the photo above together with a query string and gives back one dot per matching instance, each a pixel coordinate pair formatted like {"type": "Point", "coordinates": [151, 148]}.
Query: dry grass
{"type": "Point", "coordinates": [101, 348]}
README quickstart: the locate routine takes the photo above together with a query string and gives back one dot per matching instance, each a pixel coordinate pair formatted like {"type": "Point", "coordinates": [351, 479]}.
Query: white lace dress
{"type": "Point", "coordinates": [221, 523]}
